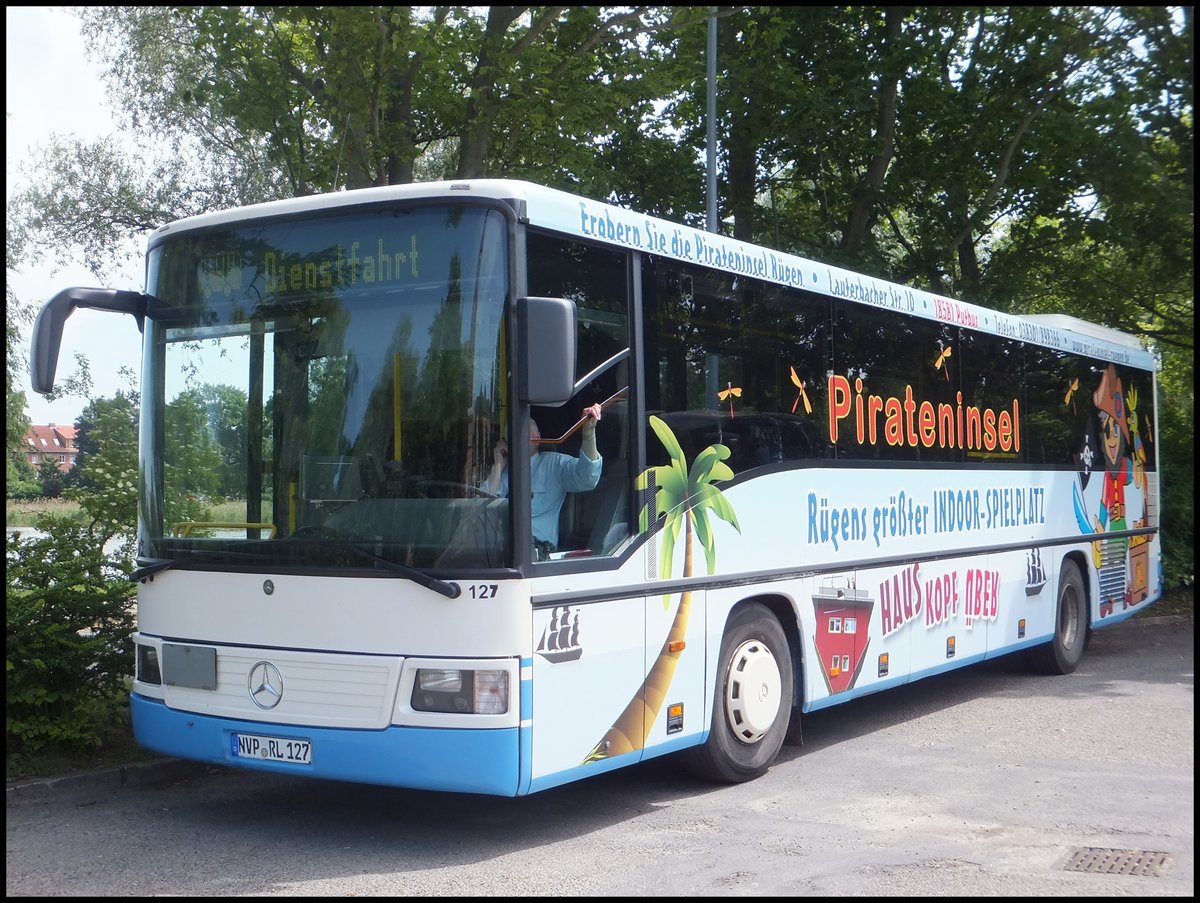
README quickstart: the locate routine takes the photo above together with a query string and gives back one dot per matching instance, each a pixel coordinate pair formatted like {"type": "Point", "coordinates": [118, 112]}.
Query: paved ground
{"type": "Point", "coordinates": [987, 781]}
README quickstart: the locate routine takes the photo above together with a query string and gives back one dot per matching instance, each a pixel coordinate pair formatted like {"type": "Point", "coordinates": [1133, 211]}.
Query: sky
{"type": "Point", "coordinates": [51, 87]}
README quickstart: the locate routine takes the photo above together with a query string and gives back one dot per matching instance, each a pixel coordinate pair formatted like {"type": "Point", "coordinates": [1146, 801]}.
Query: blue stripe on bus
{"type": "Point", "coordinates": [901, 679]}
{"type": "Point", "coordinates": [526, 721]}
{"type": "Point", "coordinates": [546, 781]}
{"type": "Point", "coordinates": [463, 760]}
{"type": "Point", "coordinates": [1027, 643]}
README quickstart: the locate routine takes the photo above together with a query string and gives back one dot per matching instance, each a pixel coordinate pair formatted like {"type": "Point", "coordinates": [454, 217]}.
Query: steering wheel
{"type": "Point", "coordinates": [440, 489]}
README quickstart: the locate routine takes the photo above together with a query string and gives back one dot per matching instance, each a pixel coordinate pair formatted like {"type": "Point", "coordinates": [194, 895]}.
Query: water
{"type": "Point", "coordinates": [110, 547]}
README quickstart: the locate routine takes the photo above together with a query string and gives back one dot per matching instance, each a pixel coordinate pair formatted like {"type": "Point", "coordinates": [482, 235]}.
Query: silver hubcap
{"type": "Point", "coordinates": [753, 691]}
{"type": "Point", "coordinates": [1068, 619]}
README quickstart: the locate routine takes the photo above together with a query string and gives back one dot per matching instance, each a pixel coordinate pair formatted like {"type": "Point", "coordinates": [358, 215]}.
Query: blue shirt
{"type": "Point", "coordinates": [553, 475]}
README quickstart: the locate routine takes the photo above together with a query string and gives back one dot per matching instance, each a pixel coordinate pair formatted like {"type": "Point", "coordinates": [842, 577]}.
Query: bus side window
{"type": "Point", "coordinates": [597, 520]}
{"type": "Point", "coordinates": [597, 280]}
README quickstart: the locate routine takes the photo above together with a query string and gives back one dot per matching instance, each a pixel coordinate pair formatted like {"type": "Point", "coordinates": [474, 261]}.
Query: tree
{"type": "Point", "coordinates": [351, 96]}
{"type": "Point", "coordinates": [17, 317]}
{"type": "Point", "coordinates": [243, 104]}
{"type": "Point", "coordinates": [106, 465]}
{"type": "Point", "coordinates": [225, 410]}
{"type": "Point", "coordinates": [191, 459]}
{"type": "Point", "coordinates": [50, 477]}
{"type": "Point", "coordinates": [17, 467]}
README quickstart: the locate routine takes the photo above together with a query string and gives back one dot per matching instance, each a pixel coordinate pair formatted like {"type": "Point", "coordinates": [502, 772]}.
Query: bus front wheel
{"type": "Point", "coordinates": [753, 702]}
{"type": "Point", "coordinates": [1063, 653]}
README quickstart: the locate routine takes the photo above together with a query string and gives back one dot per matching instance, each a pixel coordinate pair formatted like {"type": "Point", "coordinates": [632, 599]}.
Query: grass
{"type": "Point", "coordinates": [115, 747]}
{"type": "Point", "coordinates": [23, 512]}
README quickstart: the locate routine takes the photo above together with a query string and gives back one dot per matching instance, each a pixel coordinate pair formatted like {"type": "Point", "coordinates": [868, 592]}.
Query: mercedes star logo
{"type": "Point", "coordinates": [266, 685]}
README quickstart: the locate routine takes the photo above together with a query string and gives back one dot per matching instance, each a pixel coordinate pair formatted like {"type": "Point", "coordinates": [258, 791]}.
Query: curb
{"type": "Point", "coordinates": [152, 773]}
{"type": "Point", "coordinates": [1160, 619]}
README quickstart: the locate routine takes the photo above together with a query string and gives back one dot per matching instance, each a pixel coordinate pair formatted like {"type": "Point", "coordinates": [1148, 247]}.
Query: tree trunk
{"type": "Point", "coordinates": [861, 217]}
{"type": "Point", "coordinates": [473, 153]}
{"type": "Point", "coordinates": [741, 182]}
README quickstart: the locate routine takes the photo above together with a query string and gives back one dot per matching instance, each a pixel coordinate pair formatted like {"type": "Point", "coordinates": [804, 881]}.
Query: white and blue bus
{"type": "Point", "coordinates": [807, 485]}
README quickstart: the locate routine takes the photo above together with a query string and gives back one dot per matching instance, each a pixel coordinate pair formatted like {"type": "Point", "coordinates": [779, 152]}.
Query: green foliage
{"type": "Point", "coordinates": [49, 478]}
{"type": "Point", "coordinates": [21, 480]}
{"type": "Point", "coordinates": [70, 604]}
{"type": "Point", "coordinates": [68, 643]}
{"type": "Point", "coordinates": [16, 317]}
{"type": "Point", "coordinates": [225, 408]}
{"type": "Point", "coordinates": [1177, 466]}
{"type": "Point", "coordinates": [22, 488]}
{"type": "Point", "coordinates": [192, 461]}
{"type": "Point", "coordinates": [107, 464]}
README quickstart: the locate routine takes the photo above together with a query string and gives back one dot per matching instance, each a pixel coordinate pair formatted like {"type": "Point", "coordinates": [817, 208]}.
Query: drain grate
{"type": "Point", "coordinates": [1098, 860]}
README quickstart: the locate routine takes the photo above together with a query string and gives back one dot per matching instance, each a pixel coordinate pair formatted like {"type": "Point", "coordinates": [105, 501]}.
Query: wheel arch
{"type": "Point", "coordinates": [1083, 562]}
{"type": "Point", "coordinates": [785, 613]}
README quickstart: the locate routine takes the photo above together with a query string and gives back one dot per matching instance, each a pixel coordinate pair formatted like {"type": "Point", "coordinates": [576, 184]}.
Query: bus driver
{"type": "Point", "coordinates": [552, 475]}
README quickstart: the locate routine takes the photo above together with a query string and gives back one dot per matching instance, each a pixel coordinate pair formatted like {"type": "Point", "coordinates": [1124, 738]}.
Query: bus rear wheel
{"type": "Point", "coordinates": [1063, 653]}
{"type": "Point", "coordinates": [753, 702]}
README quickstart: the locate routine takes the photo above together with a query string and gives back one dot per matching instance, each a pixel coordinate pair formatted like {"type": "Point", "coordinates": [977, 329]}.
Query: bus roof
{"type": "Point", "coordinates": [587, 219]}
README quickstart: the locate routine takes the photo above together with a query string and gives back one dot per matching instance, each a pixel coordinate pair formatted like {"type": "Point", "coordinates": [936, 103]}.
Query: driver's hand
{"type": "Point", "coordinates": [500, 452]}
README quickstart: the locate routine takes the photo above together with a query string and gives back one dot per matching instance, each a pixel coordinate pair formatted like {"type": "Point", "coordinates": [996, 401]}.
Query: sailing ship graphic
{"type": "Point", "coordinates": [1035, 573]}
{"type": "Point", "coordinates": [560, 639]}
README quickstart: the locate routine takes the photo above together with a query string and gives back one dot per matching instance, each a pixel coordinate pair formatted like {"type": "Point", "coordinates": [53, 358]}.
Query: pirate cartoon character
{"type": "Point", "coordinates": [1111, 555]}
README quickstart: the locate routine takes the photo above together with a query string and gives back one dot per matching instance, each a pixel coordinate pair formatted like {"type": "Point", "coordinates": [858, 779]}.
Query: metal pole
{"type": "Point", "coordinates": [712, 120]}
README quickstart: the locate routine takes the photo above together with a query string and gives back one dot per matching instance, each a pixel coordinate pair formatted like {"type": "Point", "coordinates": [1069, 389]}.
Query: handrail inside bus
{"type": "Point", "coordinates": [616, 396]}
{"type": "Point", "coordinates": [186, 527]}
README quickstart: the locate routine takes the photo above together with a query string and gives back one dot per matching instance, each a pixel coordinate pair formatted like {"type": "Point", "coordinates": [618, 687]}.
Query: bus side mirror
{"type": "Point", "coordinates": [48, 328]}
{"type": "Point", "coordinates": [546, 337]}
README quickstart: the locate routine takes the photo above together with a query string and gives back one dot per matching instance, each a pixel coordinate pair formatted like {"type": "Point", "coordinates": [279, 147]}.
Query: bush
{"type": "Point", "coordinates": [69, 653]}
{"type": "Point", "coordinates": [23, 489]}
{"type": "Point", "coordinates": [1177, 437]}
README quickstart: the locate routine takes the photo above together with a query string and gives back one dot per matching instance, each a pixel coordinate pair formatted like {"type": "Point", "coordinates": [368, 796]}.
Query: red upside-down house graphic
{"type": "Point", "coordinates": [841, 638]}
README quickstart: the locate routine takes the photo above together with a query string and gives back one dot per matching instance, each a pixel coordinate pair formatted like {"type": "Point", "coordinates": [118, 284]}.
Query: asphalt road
{"type": "Point", "coordinates": [986, 782]}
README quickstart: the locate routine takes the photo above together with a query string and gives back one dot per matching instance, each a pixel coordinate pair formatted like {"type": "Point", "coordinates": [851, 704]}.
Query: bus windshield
{"type": "Point", "coordinates": [327, 392]}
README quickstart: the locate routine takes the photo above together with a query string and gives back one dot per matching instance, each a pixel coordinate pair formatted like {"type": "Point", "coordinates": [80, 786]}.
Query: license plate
{"type": "Point", "coordinates": [272, 749]}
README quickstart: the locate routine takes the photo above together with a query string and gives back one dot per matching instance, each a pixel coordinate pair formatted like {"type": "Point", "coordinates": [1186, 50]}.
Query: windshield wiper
{"type": "Point", "coordinates": [445, 588]}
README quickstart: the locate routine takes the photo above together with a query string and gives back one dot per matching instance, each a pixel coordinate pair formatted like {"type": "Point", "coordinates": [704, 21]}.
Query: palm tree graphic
{"type": "Point", "coordinates": [686, 497]}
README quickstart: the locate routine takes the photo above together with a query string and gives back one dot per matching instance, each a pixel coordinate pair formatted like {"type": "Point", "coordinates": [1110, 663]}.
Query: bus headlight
{"type": "Point", "coordinates": [439, 680]}
{"type": "Point", "coordinates": [460, 691]}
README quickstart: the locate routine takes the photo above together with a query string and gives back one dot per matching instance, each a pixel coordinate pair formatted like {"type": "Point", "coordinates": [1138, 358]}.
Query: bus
{"type": "Point", "coordinates": [808, 485]}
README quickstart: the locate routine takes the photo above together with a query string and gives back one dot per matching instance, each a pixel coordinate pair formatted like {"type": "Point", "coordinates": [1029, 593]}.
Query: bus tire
{"type": "Point", "coordinates": [1063, 653]}
{"type": "Point", "coordinates": [748, 728]}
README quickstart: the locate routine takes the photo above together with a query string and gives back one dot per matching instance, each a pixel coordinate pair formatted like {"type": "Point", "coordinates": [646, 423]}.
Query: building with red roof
{"type": "Point", "coordinates": [53, 442]}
